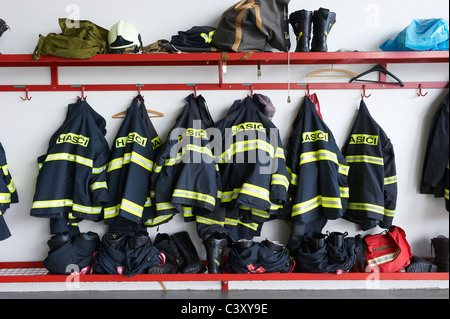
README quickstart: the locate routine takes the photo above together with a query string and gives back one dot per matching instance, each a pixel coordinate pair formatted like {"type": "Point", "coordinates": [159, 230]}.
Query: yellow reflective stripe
{"type": "Point", "coordinates": [187, 211]}
{"type": "Point", "coordinates": [131, 207]}
{"type": "Point", "coordinates": [390, 180]}
{"type": "Point", "coordinates": [185, 149]}
{"type": "Point", "coordinates": [344, 169]}
{"type": "Point", "coordinates": [52, 203]}
{"type": "Point", "coordinates": [383, 259]}
{"type": "Point", "coordinates": [230, 195]}
{"type": "Point", "coordinates": [163, 206]}
{"type": "Point", "coordinates": [110, 212]}
{"type": "Point", "coordinates": [98, 185]}
{"type": "Point", "coordinates": [86, 209]}
{"type": "Point", "coordinates": [280, 153]}
{"type": "Point", "coordinates": [207, 221]}
{"type": "Point", "coordinates": [157, 220]}
{"type": "Point", "coordinates": [244, 146]}
{"type": "Point", "coordinates": [371, 208]}
{"type": "Point", "coordinates": [11, 186]}
{"type": "Point", "coordinates": [446, 193]}
{"type": "Point", "coordinates": [278, 179]}
{"type": "Point", "coordinates": [5, 170]}
{"type": "Point", "coordinates": [255, 191]}
{"type": "Point", "coordinates": [194, 195]}
{"type": "Point", "coordinates": [364, 159]}
{"type": "Point", "coordinates": [69, 157]}
{"type": "Point", "coordinates": [292, 177]}
{"type": "Point", "coordinates": [5, 198]}
{"type": "Point", "coordinates": [98, 170]}
{"type": "Point", "coordinates": [148, 202]}
{"type": "Point", "coordinates": [345, 192]}
{"type": "Point", "coordinates": [327, 202]}
{"type": "Point", "coordinates": [127, 159]}
{"type": "Point", "coordinates": [320, 155]}
{"type": "Point", "coordinates": [235, 222]}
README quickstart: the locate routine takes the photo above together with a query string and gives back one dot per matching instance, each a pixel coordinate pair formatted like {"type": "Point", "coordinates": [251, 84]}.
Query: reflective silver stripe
{"type": "Point", "coordinates": [69, 157]}
{"type": "Point", "coordinates": [157, 220]}
{"type": "Point", "coordinates": [344, 169]}
{"type": "Point", "coordinates": [98, 185]}
{"type": "Point", "coordinates": [255, 191]}
{"type": "Point", "coordinates": [207, 221]}
{"type": "Point", "coordinates": [364, 159]}
{"type": "Point", "coordinates": [327, 202]}
{"type": "Point", "coordinates": [163, 206]}
{"type": "Point", "coordinates": [319, 155]}
{"type": "Point", "coordinates": [131, 207]}
{"type": "Point", "coordinates": [111, 212]}
{"type": "Point", "coordinates": [5, 198]}
{"type": "Point", "coordinates": [383, 259]}
{"type": "Point", "coordinates": [278, 179]}
{"type": "Point", "coordinates": [390, 180]}
{"type": "Point", "coordinates": [86, 209]}
{"type": "Point", "coordinates": [52, 203]}
{"type": "Point", "coordinates": [372, 208]}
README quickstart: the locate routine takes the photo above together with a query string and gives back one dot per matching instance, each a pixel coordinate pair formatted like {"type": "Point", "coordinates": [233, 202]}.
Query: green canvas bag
{"type": "Point", "coordinates": [82, 42]}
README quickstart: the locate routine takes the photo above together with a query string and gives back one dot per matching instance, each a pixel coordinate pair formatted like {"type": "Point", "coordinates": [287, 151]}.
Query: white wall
{"type": "Point", "coordinates": [25, 127]}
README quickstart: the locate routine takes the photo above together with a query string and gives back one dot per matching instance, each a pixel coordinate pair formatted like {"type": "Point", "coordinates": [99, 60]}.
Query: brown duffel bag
{"type": "Point", "coordinates": [250, 25]}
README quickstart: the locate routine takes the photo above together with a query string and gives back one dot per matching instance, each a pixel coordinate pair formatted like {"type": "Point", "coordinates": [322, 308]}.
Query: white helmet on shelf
{"type": "Point", "coordinates": [124, 38]}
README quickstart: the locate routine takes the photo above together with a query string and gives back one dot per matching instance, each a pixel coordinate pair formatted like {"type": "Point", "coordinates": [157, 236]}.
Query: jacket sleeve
{"type": "Point", "coordinates": [390, 184]}
{"type": "Point", "coordinates": [280, 178]}
{"type": "Point", "coordinates": [438, 150]}
{"type": "Point", "coordinates": [344, 168]}
{"type": "Point", "coordinates": [98, 185]}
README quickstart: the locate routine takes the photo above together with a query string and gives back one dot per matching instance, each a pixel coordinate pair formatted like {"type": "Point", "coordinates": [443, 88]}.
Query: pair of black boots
{"type": "Point", "coordinates": [183, 256]}
{"type": "Point", "coordinates": [302, 22]}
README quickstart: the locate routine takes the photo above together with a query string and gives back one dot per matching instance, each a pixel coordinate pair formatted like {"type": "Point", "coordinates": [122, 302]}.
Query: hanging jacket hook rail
{"type": "Point", "coordinates": [420, 91]}
{"type": "Point", "coordinates": [363, 95]}
{"type": "Point", "coordinates": [27, 98]}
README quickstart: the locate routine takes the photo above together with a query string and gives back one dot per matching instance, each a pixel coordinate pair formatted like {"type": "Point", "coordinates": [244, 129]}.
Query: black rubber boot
{"type": "Point", "coordinates": [191, 260]}
{"type": "Point", "coordinates": [215, 250]}
{"type": "Point", "coordinates": [243, 244]}
{"type": "Point", "coordinates": [440, 245]}
{"type": "Point", "coordinates": [301, 22]}
{"type": "Point", "coordinates": [58, 240]}
{"type": "Point", "coordinates": [323, 21]}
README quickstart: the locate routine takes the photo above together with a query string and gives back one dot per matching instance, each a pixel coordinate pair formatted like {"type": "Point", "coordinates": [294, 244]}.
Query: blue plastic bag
{"type": "Point", "coordinates": [421, 35]}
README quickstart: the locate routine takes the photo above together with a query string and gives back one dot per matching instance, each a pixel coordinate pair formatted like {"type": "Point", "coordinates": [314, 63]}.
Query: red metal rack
{"type": "Point", "coordinates": [35, 272]}
{"type": "Point", "coordinates": [215, 59]}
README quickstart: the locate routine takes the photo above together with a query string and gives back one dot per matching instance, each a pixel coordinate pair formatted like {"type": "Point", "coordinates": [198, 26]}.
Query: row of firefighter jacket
{"type": "Point", "coordinates": [229, 176]}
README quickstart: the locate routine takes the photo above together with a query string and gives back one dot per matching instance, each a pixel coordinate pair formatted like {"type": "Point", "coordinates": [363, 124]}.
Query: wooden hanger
{"type": "Point", "coordinates": [153, 113]}
{"type": "Point", "coordinates": [123, 114]}
{"type": "Point", "coordinates": [345, 73]}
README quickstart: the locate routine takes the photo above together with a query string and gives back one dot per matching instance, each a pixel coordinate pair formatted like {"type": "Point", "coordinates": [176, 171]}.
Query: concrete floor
{"type": "Point", "coordinates": [235, 295]}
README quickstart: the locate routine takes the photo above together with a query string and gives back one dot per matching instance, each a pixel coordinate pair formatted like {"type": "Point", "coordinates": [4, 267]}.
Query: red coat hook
{"type": "Point", "coordinates": [82, 94]}
{"type": "Point", "coordinates": [363, 95]}
{"type": "Point", "coordinates": [27, 98]}
{"type": "Point", "coordinates": [420, 91]}
{"type": "Point", "coordinates": [308, 94]}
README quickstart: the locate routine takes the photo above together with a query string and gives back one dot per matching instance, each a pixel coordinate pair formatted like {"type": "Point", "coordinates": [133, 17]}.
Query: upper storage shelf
{"type": "Point", "coordinates": [273, 58]}
{"type": "Point", "coordinates": [218, 60]}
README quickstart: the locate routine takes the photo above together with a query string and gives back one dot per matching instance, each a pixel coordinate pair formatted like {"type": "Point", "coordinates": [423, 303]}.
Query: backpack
{"type": "Point", "coordinates": [387, 252]}
{"type": "Point", "coordinates": [249, 25]}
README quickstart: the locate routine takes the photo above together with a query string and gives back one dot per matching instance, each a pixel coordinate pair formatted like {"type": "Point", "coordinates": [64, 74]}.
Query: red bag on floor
{"type": "Point", "coordinates": [388, 252]}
